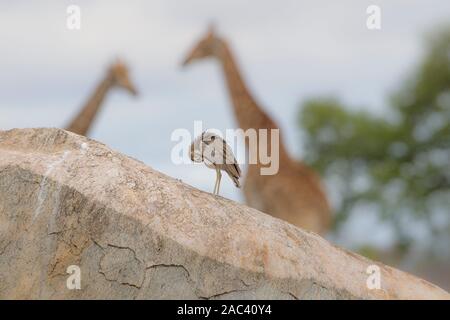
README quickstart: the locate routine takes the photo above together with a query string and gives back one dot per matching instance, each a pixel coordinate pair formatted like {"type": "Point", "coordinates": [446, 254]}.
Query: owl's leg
{"type": "Point", "coordinates": [217, 180]}
{"type": "Point", "coordinates": [220, 178]}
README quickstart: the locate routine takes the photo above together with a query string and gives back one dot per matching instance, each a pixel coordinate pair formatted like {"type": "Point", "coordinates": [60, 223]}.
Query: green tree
{"type": "Point", "coordinates": [397, 165]}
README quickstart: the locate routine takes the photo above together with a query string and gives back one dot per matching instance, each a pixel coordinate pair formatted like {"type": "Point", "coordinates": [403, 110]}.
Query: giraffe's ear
{"type": "Point", "coordinates": [116, 64]}
{"type": "Point", "coordinates": [211, 30]}
{"type": "Point", "coordinates": [119, 61]}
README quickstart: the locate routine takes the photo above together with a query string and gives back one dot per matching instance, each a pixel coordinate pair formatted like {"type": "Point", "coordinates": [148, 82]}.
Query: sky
{"type": "Point", "coordinates": [288, 51]}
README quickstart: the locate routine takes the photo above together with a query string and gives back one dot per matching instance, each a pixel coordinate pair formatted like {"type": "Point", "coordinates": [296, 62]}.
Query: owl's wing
{"type": "Point", "coordinates": [223, 156]}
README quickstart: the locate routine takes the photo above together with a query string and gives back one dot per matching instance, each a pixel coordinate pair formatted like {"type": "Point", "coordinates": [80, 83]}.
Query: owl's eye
{"type": "Point", "coordinates": [211, 139]}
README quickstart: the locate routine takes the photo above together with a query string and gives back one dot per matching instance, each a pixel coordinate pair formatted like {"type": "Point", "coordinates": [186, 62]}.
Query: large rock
{"type": "Point", "coordinates": [136, 233]}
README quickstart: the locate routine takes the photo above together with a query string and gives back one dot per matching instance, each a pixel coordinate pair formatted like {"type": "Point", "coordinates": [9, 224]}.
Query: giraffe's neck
{"type": "Point", "coordinates": [248, 113]}
{"type": "Point", "coordinates": [84, 119]}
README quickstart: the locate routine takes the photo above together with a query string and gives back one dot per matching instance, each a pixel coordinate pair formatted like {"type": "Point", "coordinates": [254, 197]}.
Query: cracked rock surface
{"type": "Point", "coordinates": [136, 233]}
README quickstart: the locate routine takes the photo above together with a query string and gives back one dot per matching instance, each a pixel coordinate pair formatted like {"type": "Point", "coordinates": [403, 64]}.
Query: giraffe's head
{"type": "Point", "coordinates": [208, 46]}
{"type": "Point", "coordinates": [119, 75]}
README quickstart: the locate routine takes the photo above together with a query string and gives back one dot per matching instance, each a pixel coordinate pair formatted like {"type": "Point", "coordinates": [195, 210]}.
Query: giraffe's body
{"type": "Point", "coordinates": [117, 76]}
{"type": "Point", "coordinates": [295, 193]}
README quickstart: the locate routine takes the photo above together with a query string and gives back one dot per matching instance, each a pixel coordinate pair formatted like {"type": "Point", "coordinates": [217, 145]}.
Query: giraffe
{"type": "Point", "coordinates": [295, 193]}
{"type": "Point", "coordinates": [117, 76]}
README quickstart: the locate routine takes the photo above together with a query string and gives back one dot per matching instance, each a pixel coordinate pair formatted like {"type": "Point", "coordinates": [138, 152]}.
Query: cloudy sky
{"type": "Point", "coordinates": [288, 51]}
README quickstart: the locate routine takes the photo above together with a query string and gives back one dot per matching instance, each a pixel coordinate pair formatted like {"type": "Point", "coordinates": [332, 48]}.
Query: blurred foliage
{"type": "Point", "coordinates": [397, 165]}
